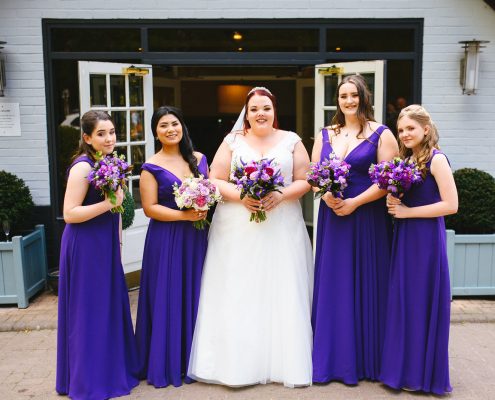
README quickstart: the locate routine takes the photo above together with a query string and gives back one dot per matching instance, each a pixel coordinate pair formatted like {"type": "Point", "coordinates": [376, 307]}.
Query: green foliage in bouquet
{"type": "Point", "coordinates": [16, 202]}
{"type": "Point", "coordinates": [476, 213]}
{"type": "Point", "coordinates": [128, 214]}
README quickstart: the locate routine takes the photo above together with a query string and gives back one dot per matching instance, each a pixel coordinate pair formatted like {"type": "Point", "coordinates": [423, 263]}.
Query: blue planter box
{"type": "Point", "coordinates": [471, 264]}
{"type": "Point", "coordinates": [23, 267]}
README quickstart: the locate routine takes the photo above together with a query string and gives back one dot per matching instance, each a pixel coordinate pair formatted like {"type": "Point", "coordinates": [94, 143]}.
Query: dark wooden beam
{"type": "Point", "coordinates": [491, 3]}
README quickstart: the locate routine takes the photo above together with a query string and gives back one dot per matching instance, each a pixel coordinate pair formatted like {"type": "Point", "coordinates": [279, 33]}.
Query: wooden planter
{"type": "Point", "coordinates": [471, 264]}
{"type": "Point", "coordinates": [23, 267]}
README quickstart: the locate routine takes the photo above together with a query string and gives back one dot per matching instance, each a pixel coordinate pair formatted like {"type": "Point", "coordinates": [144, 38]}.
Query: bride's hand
{"type": "Point", "coordinates": [251, 204]}
{"type": "Point", "coordinates": [271, 200]}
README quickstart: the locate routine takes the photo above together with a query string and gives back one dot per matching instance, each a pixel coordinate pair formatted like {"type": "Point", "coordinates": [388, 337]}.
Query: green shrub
{"type": "Point", "coordinates": [476, 214]}
{"type": "Point", "coordinates": [16, 203]}
{"type": "Point", "coordinates": [128, 214]}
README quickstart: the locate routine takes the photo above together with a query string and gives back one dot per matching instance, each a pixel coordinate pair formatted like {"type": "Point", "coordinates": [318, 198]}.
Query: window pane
{"type": "Point", "coordinates": [226, 40]}
{"type": "Point", "coordinates": [119, 119]}
{"type": "Point", "coordinates": [400, 81]}
{"type": "Point", "coordinates": [117, 90]}
{"type": "Point", "coordinates": [137, 159]}
{"type": "Point", "coordinates": [364, 40]}
{"type": "Point", "coordinates": [135, 192]}
{"type": "Point", "coordinates": [122, 150]}
{"type": "Point", "coordinates": [136, 91]}
{"type": "Point", "coordinates": [328, 116]}
{"type": "Point", "coordinates": [137, 126]}
{"type": "Point", "coordinates": [95, 39]}
{"type": "Point", "coordinates": [331, 82]}
{"type": "Point", "coordinates": [98, 90]}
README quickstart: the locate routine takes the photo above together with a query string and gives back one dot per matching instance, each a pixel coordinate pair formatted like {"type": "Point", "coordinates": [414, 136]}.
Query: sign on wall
{"type": "Point", "coordinates": [10, 119]}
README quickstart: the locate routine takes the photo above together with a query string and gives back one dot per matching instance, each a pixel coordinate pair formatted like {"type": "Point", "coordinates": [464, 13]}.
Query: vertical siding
{"type": "Point", "coordinates": [465, 122]}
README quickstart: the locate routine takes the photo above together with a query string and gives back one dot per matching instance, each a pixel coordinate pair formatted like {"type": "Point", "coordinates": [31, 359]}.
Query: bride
{"type": "Point", "coordinates": [254, 317]}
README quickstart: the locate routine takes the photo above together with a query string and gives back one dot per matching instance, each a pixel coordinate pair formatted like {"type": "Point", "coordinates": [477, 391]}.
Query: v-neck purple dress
{"type": "Point", "coordinates": [415, 352]}
{"type": "Point", "coordinates": [96, 348]}
{"type": "Point", "coordinates": [351, 275]}
{"type": "Point", "coordinates": [173, 259]}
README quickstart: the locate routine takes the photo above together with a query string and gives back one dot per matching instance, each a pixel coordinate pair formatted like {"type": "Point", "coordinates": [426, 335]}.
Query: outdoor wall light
{"type": "Point", "coordinates": [470, 65]}
{"type": "Point", "coordinates": [3, 79]}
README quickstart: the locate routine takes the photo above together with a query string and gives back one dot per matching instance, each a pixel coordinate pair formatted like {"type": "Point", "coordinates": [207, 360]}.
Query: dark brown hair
{"type": "Point", "coordinates": [89, 121]}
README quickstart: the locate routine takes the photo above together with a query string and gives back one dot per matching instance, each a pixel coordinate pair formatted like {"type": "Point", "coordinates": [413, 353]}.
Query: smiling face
{"type": "Point", "coordinates": [260, 112]}
{"type": "Point", "coordinates": [169, 130]}
{"type": "Point", "coordinates": [102, 138]}
{"type": "Point", "coordinates": [411, 133]}
{"type": "Point", "coordinates": [348, 99]}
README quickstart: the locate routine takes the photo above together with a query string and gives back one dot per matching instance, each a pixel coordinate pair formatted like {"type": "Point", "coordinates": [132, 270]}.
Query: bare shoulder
{"type": "Point", "coordinates": [80, 168]}
{"type": "Point", "coordinates": [198, 156]}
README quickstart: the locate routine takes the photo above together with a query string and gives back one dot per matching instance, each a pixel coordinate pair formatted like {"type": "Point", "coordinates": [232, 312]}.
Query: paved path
{"type": "Point", "coordinates": [28, 351]}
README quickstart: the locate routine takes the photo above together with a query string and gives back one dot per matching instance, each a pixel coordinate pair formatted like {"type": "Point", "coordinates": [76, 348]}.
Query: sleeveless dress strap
{"type": "Point", "coordinates": [435, 152]}
{"type": "Point", "coordinates": [232, 140]}
{"type": "Point", "coordinates": [292, 139]}
{"type": "Point", "coordinates": [81, 158]}
{"type": "Point", "coordinates": [324, 135]}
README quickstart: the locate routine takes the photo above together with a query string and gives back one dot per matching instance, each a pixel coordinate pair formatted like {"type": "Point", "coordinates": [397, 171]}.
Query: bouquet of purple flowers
{"type": "Point", "coordinates": [198, 193]}
{"type": "Point", "coordinates": [329, 175]}
{"type": "Point", "coordinates": [256, 179]}
{"type": "Point", "coordinates": [109, 174]}
{"type": "Point", "coordinates": [396, 176]}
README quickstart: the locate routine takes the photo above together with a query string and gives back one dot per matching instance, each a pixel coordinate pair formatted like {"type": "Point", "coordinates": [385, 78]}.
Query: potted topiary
{"type": "Point", "coordinates": [23, 259]}
{"type": "Point", "coordinates": [471, 234]}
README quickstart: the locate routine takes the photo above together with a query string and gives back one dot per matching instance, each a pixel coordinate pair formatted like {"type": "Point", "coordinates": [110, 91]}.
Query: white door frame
{"type": "Point", "coordinates": [341, 70]}
{"type": "Point", "coordinates": [133, 237]}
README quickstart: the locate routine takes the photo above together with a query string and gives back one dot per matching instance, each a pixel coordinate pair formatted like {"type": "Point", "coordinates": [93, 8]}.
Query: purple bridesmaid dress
{"type": "Point", "coordinates": [96, 349]}
{"type": "Point", "coordinates": [351, 275]}
{"type": "Point", "coordinates": [173, 259]}
{"type": "Point", "coordinates": [415, 354]}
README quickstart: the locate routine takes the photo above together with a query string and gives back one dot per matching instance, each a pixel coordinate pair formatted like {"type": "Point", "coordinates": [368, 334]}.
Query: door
{"type": "Point", "coordinates": [125, 91]}
{"type": "Point", "coordinates": [327, 78]}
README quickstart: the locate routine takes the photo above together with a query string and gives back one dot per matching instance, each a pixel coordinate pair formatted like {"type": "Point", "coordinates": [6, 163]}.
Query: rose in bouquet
{"type": "Point", "coordinates": [198, 193]}
{"type": "Point", "coordinates": [396, 176]}
{"type": "Point", "coordinates": [256, 179]}
{"type": "Point", "coordinates": [329, 175]}
{"type": "Point", "coordinates": [109, 173]}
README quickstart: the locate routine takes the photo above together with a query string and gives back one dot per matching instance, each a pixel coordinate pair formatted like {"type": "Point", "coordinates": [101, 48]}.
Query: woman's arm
{"type": "Point", "coordinates": [440, 169]}
{"type": "Point", "coordinates": [149, 199]}
{"type": "Point", "coordinates": [77, 187]}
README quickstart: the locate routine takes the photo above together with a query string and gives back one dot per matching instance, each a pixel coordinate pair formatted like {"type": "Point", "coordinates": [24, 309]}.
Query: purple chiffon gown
{"type": "Point", "coordinates": [351, 275]}
{"type": "Point", "coordinates": [173, 259]}
{"type": "Point", "coordinates": [415, 354]}
{"type": "Point", "coordinates": [96, 348]}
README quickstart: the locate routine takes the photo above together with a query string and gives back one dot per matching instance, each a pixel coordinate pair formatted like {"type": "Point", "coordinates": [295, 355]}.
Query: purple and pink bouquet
{"type": "Point", "coordinates": [109, 174]}
{"type": "Point", "coordinates": [256, 179]}
{"type": "Point", "coordinates": [329, 175]}
{"type": "Point", "coordinates": [396, 176]}
{"type": "Point", "coordinates": [198, 193]}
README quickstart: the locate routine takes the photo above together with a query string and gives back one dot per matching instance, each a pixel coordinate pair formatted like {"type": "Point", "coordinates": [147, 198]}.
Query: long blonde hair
{"type": "Point", "coordinates": [430, 141]}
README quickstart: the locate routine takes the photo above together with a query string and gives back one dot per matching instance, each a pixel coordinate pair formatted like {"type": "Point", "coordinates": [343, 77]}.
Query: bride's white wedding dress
{"type": "Point", "coordinates": [254, 317]}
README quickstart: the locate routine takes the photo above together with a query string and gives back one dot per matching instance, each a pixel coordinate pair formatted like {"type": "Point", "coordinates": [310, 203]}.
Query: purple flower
{"type": "Point", "coordinates": [256, 179]}
{"type": "Point", "coordinates": [396, 176]}
{"type": "Point", "coordinates": [329, 175]}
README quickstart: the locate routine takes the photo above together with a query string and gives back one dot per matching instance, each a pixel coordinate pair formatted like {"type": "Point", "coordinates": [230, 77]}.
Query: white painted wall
{"type": "Point", "coordinates": [466, 123]}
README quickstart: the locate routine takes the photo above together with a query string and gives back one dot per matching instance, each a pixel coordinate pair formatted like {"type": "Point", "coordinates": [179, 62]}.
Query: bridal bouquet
{"type": "Point", "coordinates": [329, 175]}
{"type": "Point", "coordinates": [109, 174]}
{"type": "Point", "coordinates": [396, 176]}
{"type": "Point", "coordinates": [198, 193]}
{"type": "Point", "coordinates": [256, 179]}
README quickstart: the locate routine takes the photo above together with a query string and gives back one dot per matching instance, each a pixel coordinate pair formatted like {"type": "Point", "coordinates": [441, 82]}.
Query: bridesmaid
{"type": "Point", "coordinates": [96, 349]}
{"type": "Point", "coordinates": [353, 245]}
{"type": "Point", "coordinates": [415, 355]}
{"type": "Point", "coordinates": [173, 255]}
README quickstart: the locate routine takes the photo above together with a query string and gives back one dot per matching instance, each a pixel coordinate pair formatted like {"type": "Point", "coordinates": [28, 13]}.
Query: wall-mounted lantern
{"type": "Point", "coordinates": [470, 65]}
{"type": "Point", "coordinates": [3, 79]}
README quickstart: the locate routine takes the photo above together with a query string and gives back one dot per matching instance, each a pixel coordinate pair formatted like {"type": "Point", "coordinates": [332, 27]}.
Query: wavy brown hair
{"type": "Point", "coordinates": [430, 141]}
{"type": "Point", "coordinates": [364, 111]}
{"type": "Point", "coordinates": [89, 121]}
